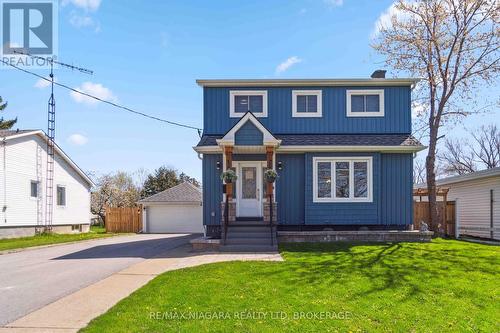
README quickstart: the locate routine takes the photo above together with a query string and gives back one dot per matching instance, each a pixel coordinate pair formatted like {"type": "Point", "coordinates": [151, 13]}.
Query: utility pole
{"type": "Point", "coordinates": [51, 134]}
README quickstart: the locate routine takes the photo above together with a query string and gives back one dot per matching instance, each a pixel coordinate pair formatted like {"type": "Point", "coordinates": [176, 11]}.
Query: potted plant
{"type": "Point", "coordinates": [228, 177]}
{"type": "Point", "coordinates": [270, 175]}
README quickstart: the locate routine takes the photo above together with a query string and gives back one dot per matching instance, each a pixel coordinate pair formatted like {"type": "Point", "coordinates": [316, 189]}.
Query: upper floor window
{"type": "Point", "coordinates": [242, 101]}
{"type": "Point", "coordinates": [307, 103]}
{"type": "Point", "coordinates": [343, 179]}
{"type": "Point", "coordinates": [61, 195]}
{"type": "Point", "coordinates": [365, 103]}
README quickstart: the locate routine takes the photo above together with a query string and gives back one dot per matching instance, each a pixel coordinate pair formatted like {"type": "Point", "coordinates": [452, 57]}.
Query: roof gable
{"type": "Point", "coordinates": [230, 137]}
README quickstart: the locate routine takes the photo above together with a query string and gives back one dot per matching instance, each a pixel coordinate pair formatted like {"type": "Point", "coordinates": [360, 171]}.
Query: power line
{"type": "Point", "coordinates": [199, 130]}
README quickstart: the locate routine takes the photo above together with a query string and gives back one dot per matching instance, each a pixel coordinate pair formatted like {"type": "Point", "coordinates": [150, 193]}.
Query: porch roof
{"type": "Point", "coordinates": [401, 140]}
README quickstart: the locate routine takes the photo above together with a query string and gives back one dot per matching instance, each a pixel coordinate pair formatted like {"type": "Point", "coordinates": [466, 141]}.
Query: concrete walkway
{"type": "Point", "coordinates": [73, 312]}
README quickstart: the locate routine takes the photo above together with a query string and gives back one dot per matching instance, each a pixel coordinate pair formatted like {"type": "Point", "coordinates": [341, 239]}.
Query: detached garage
{"type": "Point", "coordinates": [176, 210]}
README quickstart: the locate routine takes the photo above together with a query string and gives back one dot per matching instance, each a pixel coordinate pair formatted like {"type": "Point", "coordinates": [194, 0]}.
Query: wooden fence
{"type": "Point", "coordinates": [124, 219]}
{"type": "Point", "coordinates": [446, 218]}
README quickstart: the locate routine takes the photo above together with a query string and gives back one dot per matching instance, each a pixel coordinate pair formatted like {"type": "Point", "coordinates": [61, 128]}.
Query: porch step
{"type": "Point", "coordinates": [249, 248]}
{"type": "Point", "coordinates": [248, 228]}
{"type": "Point", "coordinates": [249, 222]}
{"type": "Point", "coordinates": [250, 218]}
{"type": "Point", "coordinates": [250, 234]}
{"type": "Point", "coordinates": [249, 241]}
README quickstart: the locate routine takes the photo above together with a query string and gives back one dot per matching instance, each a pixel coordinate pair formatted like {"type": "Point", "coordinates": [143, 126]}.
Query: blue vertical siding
{"type": "Point", "coordinates": [397, 200]}
{"type": "Point", "coordinates": [342, 213]}
{"type": "Point", "coordinates": [290, 189]}
{"type": "Point", "coordinates": [248, 135]}
{"type": "Point", "coordinates": [397, 117]}
{"type": "Point", "coordinates": [212, 189]}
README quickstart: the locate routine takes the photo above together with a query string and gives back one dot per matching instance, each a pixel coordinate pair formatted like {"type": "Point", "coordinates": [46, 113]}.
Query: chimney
{"type": "Point", "coordinates": [378, 74]}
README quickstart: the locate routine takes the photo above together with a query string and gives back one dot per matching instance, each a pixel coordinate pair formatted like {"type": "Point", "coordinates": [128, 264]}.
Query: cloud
{"type": "Point", "coordinates": [334, 3]}
{"type": "Point", "coordinates": [285, 65]}
{"type": "Point", "coordinates": [84, 21]}
{"type": "Point", "coordinates": [87, 5]}
{"type": "Point", "coordinates": [41, 83]}
{"type": "Point", "coordinates": [78, 139]}
{"type": "Point", "coordinates": [94, 89]}
{"type": "Point", "coordinates": [385, 19]}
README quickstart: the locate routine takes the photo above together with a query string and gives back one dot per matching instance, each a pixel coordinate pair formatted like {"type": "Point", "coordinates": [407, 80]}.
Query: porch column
{"type": "Point", "coordinates": [269, 159]}
{"type": "Point", "coordinates": [228, 196]}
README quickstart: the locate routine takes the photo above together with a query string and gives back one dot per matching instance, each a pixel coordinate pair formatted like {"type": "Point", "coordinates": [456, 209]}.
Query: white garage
{"type": "Point", "coordinates": [175, 210]}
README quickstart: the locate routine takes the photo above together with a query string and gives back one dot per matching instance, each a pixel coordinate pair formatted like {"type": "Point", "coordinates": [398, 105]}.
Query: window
{"type": "Point", "coordinates": [34, 189]}
{"type": "Point", "coordinates": [307, 103]}
{"type": "Point", "coordinates": [61, 195]}
{"type": "Point", "coordinates": [342, 179]}
{"type": "Point", "coordinates": [242, 101]}
{"type": "Point", "coordinates": [365, 103]}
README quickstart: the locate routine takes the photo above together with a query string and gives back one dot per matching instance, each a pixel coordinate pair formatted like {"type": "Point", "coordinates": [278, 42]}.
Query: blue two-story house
{"type": "Point", "coordinates": [342, 149]}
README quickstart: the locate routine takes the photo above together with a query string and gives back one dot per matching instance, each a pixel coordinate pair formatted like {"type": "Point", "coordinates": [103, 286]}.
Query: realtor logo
{"type": "Point", "coordinates": [28, 27]}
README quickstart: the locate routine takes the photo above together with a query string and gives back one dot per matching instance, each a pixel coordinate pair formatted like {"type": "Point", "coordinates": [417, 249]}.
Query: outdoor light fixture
{"type": "Point", "coordinates": [218, 165]}
{"type": "Point", "coordinates": [280, 165]}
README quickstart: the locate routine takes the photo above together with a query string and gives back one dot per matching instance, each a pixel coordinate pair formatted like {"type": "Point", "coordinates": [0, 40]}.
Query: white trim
{"type": "Point", "coordinates": [351, 160]}
{"type": "Point", "coordinates": [65, 196]}
{"type": "Point", "coordinates": [307, 82]}
{"type": "Point", "coordinates": [302, 149]}
{"type": "Point", "coordinates": [319, 110]}
{"type": "Point", "coordinates": [259, 183]}
{"type": "Point", "coordinates": [379, 92]}
{"type": "Point", "coordinates": [234, 93]}
{"type": "Point", "coordinates": [267, 138]}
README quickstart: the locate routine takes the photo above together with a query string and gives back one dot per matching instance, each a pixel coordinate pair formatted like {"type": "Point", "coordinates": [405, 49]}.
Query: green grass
{"type": "Point", "coordinates": [46, 239]}
{"type": "Point", "coordinates": [443, 286]}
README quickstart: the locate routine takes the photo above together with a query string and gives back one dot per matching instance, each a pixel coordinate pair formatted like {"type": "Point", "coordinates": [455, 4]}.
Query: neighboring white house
{"type": "Point", "coordinates": [477, 202]}
{"type": "Point", "coordinates": [175, 210]}
{"type": "Point", "coordinates": [23, 164]}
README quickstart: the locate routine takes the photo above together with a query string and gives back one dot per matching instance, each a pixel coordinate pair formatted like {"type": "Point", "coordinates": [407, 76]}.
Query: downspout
{"type": "Point", "coordinates": [4, 203]}
{"type": "Point", "coordinates": [492, 234]}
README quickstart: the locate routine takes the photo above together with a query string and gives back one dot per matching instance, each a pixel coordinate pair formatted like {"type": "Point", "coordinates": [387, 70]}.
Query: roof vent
{"type": "Point", "coordinates": [378, 74]}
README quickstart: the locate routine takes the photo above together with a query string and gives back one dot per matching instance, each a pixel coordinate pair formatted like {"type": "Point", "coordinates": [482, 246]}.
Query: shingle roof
{"type": "Point", "coordinates": [332, 140]}
{"type": "Point", "coordinates": [4, 133]}
{"type": "Point", "coordinates": [184, 192]}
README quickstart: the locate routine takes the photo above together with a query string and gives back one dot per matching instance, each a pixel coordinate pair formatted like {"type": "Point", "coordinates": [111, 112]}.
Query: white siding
{"type": "Point", "coordinates": [473, 205]}
{"type": "Point", "coordinates": [18, 167]}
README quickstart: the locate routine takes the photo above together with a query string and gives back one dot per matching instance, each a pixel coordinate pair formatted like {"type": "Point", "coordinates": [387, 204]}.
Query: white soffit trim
{"type": "Point", "coordinates": [268, 138]}
{"type": "Point", "coordinates": [302, 149]}
{"type": "Point", "coordinates": [306, 82]}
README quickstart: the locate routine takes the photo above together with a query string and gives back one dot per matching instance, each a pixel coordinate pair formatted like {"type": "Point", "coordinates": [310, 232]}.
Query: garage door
{"type": "Point", "coordinates": [174, 219]}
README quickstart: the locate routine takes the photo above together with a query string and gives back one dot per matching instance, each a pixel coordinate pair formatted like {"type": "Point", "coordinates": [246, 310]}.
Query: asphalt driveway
{"type": "Point", "coordinates": [33, 278]}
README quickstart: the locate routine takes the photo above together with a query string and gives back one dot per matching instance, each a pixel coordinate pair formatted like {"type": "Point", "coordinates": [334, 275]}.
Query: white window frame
{"type": "Point", "coordinates": [351, 160]}
{"type": "Point", "coordinates": [234, 93]}
{"type": "Point", "coordinates": [379, 92]}
{"type": "Point", "coordinates": [319, 111]}
{"type": "Point", "coordinates": [65, 196]}
{"type": "Point", "coordinates": [37, 189]}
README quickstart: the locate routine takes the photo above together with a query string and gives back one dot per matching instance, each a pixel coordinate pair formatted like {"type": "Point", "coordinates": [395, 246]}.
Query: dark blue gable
{"type": "Point", "coordinates": [397, 118]}
{"type": "Point", "coordinates": [248, 135]}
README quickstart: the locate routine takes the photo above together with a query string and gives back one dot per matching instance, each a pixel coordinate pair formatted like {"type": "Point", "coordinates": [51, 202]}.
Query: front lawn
{"type": "Point", "coordinates": [46, 239]}
{"type": "Point", "coordinates": [443, 286]}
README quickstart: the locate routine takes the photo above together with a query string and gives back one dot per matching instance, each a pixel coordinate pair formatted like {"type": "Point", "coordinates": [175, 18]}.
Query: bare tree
{"type": "Point", "coordinates": [418, 172]}
{"type": "Point", "coordinates": [456, 158]}
{"type": "Point", "coordinates": [454, 46]}
{"type": "Point", "coordinates": [488, 146]}
{"type": "Point", "coordinates": [466, 156]}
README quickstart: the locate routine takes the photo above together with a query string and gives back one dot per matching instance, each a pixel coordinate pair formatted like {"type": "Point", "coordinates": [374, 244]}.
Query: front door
{"type": "Point", "coordinates": [249, 189]}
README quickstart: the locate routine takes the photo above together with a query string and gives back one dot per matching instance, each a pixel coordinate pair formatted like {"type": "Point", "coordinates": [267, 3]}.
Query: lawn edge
{"type": "Point", "coordinates": [37, 247]}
